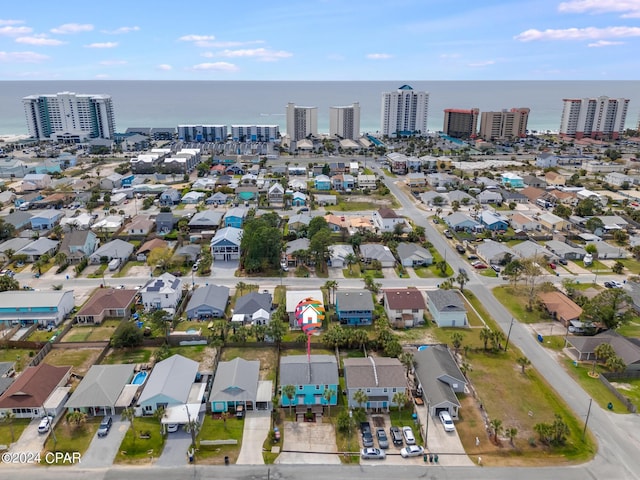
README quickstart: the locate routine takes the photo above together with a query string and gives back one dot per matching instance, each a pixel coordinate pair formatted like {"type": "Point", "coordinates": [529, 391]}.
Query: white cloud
{"type": "Point", "coordinates": [196, 38]}
{"type": "Point", "coordinates": [589, 33]}
{"type": "Point", "coordinates": [22, 57]}
{"type": "Point", "coordinates": [102, 45]}
{"type": "Point", "coordinates": [484, 63]}
{"type": "Point", "coordinates": [231, 44]}
{"type": "Point", "coordinates": [450, 55]}
{"type": "Point", "coordinates": [165, 66]}
{"type": "Point", "coordinates": [259, 53]}
{"type": "Point", "coordinates": [627, 8]}
{"type": "Point", "coordinates": [40, 40]}
{"type": "Point", "coordinates": [121, 30]}
{"type": "Point", "coordinates": [11, 31]}
{"type": "Point", "coordinates": [113, 62]}
{"type": "Point", "coordinates": [216, 66]}
{"type": "Point", "coordinates": [378, 56]}
{"type": "Point", "coordinates": [604, 43]}
{"type": "Point", "coordinates": [68, 28]}
{"type": "Point", "coordinates": [11, 22]}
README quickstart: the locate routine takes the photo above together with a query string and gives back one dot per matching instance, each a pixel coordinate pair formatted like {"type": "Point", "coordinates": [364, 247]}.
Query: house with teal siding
{"type": "Point", "coordinates": [322, 182]}
{"type": "Point", "coordinates": [235, 217]}
{"type": "Point", "coordinates": [235, 384]}
{"type": "Point", "coordinates": [354, 307]}
{"type": "Point", "coordinates": [311, 377]}
{"type": "Point", "coordinates": [169, 384]}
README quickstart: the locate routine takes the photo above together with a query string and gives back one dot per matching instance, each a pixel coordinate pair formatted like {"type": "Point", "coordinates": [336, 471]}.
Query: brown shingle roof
{"type": "Point", "coordinates": [151, 244]}
{"type": "Point", "coordinates": [107, 298]}
{"type": "Point", "coordinates": [387, 213]}
{"type": "Point", "coordinates": [562, 306]}
{"type": "Point", "coordinates": [404, 299]}
{"type": "Point", "coordinates": [532, 193]}
{"type": "Point", "coordinates": [33, 386]}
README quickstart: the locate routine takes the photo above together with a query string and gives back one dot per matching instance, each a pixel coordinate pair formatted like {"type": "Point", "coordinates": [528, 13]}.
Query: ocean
{"type": "Point", "coordinates": [170, 103]}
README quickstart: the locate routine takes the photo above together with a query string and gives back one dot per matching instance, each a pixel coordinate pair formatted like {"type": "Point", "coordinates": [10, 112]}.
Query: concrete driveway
{"type": "Point", "coordinates": [175, 449]}
{"type": "Point", "coordinates": [309, 443]}
{"type": "Point", "coordinates": [224, 269]}
{"type": "Point", "coordinates": [103, 450]}
{"type": "Point", "coordinates": [446, 445]}
{"type": "Point", "coordinates": [31, 440]}
{"type": "Point", "coordinates": [257, 424]}
{"type": "Point", "coordinates": [385, 421]}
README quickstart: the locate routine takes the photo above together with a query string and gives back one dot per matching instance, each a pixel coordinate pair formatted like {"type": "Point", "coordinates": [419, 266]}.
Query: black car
{"type": "Point", "coordinates": [460, 249]}
{"type": "Point", "coordinates": [562, 261]}
{"type": "Point", "coordinates": [396, 436]}
{"type": "Point", "coordinates": [367, 436]}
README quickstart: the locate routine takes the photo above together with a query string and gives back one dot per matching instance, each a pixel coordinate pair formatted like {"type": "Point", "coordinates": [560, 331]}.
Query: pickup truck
{"type": "Point", "coordinates": [367, 436]}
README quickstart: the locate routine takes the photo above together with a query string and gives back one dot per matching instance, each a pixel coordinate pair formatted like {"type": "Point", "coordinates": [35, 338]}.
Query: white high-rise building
{"type": "Point", "coordinates": [202, 133]}
{"type": "Point", "coordinates": [301, 122]}
{"type": "Point", "coordinates": [255, 133]}
{"type": "Point", "coordinates": [69, 117]}
{"type": "Point", "coordinates": [344, 122]}
{"type": "Point", "coordinates": [404, 112]}
{"type": "Point", "coordinates": [601, 118]}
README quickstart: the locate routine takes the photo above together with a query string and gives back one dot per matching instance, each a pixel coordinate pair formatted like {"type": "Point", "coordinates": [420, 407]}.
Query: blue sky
{"type": "Point", "coordinates": [321, 40]}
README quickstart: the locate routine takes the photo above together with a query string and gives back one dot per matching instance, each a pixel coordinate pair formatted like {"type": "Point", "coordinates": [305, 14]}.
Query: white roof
{"type": "Point", "coordinates": [295, 296]}
{"type": "Point", "coordinates": [178, 414]}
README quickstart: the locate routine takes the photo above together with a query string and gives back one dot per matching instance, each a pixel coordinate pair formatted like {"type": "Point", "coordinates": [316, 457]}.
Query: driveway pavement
{"type": "Point", "coordinates": [175, 449]}
{"type": "Point", "coordinates": [103, 450]}
{"type": "Point", "coordinates": [446, 444]}
{"type": "Point", "coordinates": [309, 443]}
{"type": "Point", "coordinates": [256, 428]}
{"type": "Point", "coordinates": [224, 269]}
{"type": "Point", "coordinates": [31, 440]}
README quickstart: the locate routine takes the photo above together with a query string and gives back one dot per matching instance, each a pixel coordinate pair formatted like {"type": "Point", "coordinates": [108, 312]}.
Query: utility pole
{"type": "Point", "coordinates": [506, 345]}
{"type": "Point", "coordinates": [586, 420]}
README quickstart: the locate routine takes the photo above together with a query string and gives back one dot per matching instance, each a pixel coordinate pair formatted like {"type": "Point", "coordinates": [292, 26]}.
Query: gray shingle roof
{"type": "Point", "coordinates": [446, 300]}
{"type": "Point", "coordinates": [214, 296]}
{"type": "Point", "coordinates": [373, 372]}
{"type": "Point", "coordinates": [433, 364]}
{"type": "Point", "coordinates": [172, 378]}
{"type": "Point", "coordinates": [252, 302]}
{"type": "Point", "coordinates": [296, 370]}
{"type": "Point", "coordinates": [101, 386]}
{"type": "Point", "coordinates": [352, 300]}
{"type": "Point", "coordinates": [235, 381]}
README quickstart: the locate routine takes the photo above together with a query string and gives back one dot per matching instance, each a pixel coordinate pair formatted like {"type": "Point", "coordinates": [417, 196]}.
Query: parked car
{"type": "Point", "coordinates": [460, 248]}
{"type": "Point", "coordinates": [448, 234]}
{"type": "Point", "coordinates": [172, 427]}
{"type": "Point", "coordinates": [472, 257]}
{"type": "Point", "coordinates": [447, 422]}
{"type": "Point", "coordinates": [105, 426]}
{"type": "Point", "coordinates": [396, 436]}
{"type": "Point", "coordinates": [613, 284]}
{"type": "Point", "coordinates": [412, 451]}
{"type": "Point", "coordinates": [480, 266]}
{"type": "Point", "coordinates": [383, 441]}
{"type": "Point", "coordinates": [372, 454]}
{"type": "Point", "coordinates": [552, 266]}
{"type": "Point", "coordinates": [45, 424]}
{"type": "Point", "coordinates": [496, 268]}
{"type": "Point", "coordinates": [367, 436]}
{"type": "Point", "coordinates": [435, 220]}
{"type": "Point", "coordinates": [407, 432]}
{"type": "Point", "coordinates": [562, 261]}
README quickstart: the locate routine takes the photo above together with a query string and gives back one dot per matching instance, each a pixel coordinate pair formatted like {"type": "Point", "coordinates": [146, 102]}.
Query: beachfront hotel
{"type": "Point", "coordinates": [404, 112]}
{"type": "Point", "coordinates": [504, 125]}
{"type": "Point", "coordinates": [301, 122]}
{"type": "Point", "coordinates": [202, 133]}
{"type": "Point", "coordinates": [598, 118]}
{"type": "Point", "coordinates": [344, 122]}
{"type": "Point", "coordinates": [68, 117]}
{"type": "Point", "coordinates": [460, 123]}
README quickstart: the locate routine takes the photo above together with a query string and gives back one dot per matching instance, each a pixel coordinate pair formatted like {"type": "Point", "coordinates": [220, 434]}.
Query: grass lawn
{"type": "Point", "coordinates": [631, 329]}
{"type": "Point", "coordinates": [489, 272]}
{"type": "Point", "coordinates": [126, 355]}
{"type": "Point", "coordinates": [347, 206]}
{"type": "Point", "coordinates": [17, 425]}
{"type": "Point", "coordinates": [41, 335]}
{"type": "Point", "coordinates": [194, 352]}
{"type": "Point", "coordinates": [632, 265]}
{"type": "Point", "coordinates": [90, 333]}
{"type": "Point", "coordinates": [279, 294]}
{"type": "Point", "coordinates": [388, 173]}
{"type": "Point", "coordinates": [185, 325]}
{"type": "Point", "coordinates": [19, 355]}
{"type": "Point", "coordinates": [354, 273]}
{"type": "Point", "coordinates": [80, 359]}
{"type": "Point", "coordinates": [372, 274]}
{"type": "Point", "coordinates": [72, 439]}
{"type": "Point", "coordinates": [99, 272]}
{"type": "Point", "coordinates": [474, 319]}
{"type": "Point", "coordinates": [596, 267]}
{"type": "Point", "coordinates": [267, 357]}
{"type": "Point", "coordinates": [136, 450]}
{"type": "Point", "coordinates": [629, 388]}
{"type": "Point", "coordinates": [515, 300]}
{"type": "Point", "coordinates": [218, 429]}
{"type": "Point", "coordinates": [124, 271]}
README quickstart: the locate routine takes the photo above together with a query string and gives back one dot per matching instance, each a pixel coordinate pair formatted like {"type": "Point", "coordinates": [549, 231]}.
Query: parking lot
{"type": "Point", "coordinates": [309, 443]}
{"type": "Point", "coordinates": [393, 452]}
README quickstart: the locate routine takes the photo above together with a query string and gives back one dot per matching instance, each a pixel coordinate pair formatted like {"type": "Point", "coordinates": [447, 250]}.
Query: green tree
{"type": "Point", "coordinates": [486, 334]}
{"type": "Point", "coordinates": [241, 287]}
{"type": "Point", "coordinates": [130, 415]}
{"type": "Point", "coordinates": [621, 237]}
{"type": "Point", "coordinates": [261, 244]}
{"type": "Point", "coordinates": [406, 358]}
{"type": "Point", "coordinates": [401, 400]}
{"type": "Point", "coordinates": [616, 364]}
{"type": "Point", "coordinates": [610, 308]}
{"type": "Point", "coordinates": [350, 259]}
{"type": "Point", "coordinates": [276, 330]}
{"type": "Point", "coordinates": [618, 267]}
{"type": "Point", "coordinates": [593, 224]}
{"type": "Point", "coordinates": [497, 337]}
{"type": "Point", "coordinates": [127, 337]}
{"type": "Point", "coordinates": [60, 259]}
{"type": "Point", "coordinates": [289, 391]}
{"type": "Point", "coordinates": [496, 428]}
{"type": "Point", "coordinates": [513, 271]}
{"type": "Point", "coordinates": [562, 211]}
{"type": "Point", "coordinates": [462, 278]}
{"type": "Point", "coordinates": [331, 286]}
{"type": "Point", "coordinates": [360, 397]}
{"type": "Point", "coordinates": [345, 423]}
{"type": "Point", "coordinates": [8, 283]}
{"type": "Point", "coordinates": [328, 395]}
{"type": "Point", "coordinates": [7, 230]}
{"type": "Point", "coordinates": [76, 418]}
{"type": "Point", "coordinates": [456, 341]}
{"type": "Point", "coordinates": [160, 258]}
{"type": "Point", "coordinates": [319, 245]}
{"type": "Point", "coordinates": [591, 249]}
{"type": "Point", "coordinates": [315, 225]}
{"type": "Point", "coordinates": [524, 362]}
{"type": "Point", "coordinates": [512, 432]}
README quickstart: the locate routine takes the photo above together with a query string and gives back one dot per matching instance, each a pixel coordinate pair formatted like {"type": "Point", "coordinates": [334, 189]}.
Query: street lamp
{"type": "Point", "coordinates": [506, 345]}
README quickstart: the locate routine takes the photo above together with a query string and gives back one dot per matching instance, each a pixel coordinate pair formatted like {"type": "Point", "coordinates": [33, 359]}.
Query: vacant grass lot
{"type": "Point", "coordinates": [122, 355]}
{"type": "Point", "coordinates": [218, 429]}
{"type": "Point", "coordinates": [137, 451]}
{"type": "Point", "coordinates": [80, 359]}
{"type": "Point", "coordinates": [92, 333]}
{"type": "Point", "coordinates": [515, 300]}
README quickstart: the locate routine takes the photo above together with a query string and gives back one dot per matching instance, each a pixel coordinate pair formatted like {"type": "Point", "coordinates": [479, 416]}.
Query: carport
{"type": "Point", "coordinates": [264, 395]}
{"type": "Point", "coordinates": [181, 414]}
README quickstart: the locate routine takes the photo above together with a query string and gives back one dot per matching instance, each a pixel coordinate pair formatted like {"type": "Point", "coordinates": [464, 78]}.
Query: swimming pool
{"type": "Point", "coordinates": [192, 331]}
{"type": "Point", "coordinates": [139, 378]}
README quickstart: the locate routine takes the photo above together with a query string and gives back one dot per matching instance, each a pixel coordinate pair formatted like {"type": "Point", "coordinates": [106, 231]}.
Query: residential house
{"type": "Point", "coordinates": [447, 308]}
{"type": "Point", "coordinates": [416, 180]}
{"type": "Point", "coordinates": [404, 306]}
{"type": "Point", "coordinates": [236, 384]}
{"type": "Point", "coordinates": [434, 198]}
{"type": "Point", "coordinates": [385, 220]}
{"type": "Point", "coordinates": [606, 251]}
{"type": "Point", "coordinates": [324, 200]}
{"type": "Point", "coordinates": [275, 194]}
{"type": "Point", "coordinates": [299, 199]}
{"type": "Point", "coordinates": [209, 301]}
{"type": "Point", "coordinates": [490, 196]}
{"type": "Point", "coordinates": [343, 182]}
{"type": "Point", "coordinates": [618, 179]}
{"type": "Point", "coordinates": [235, 217]}
{"type": "Point", "coordinates": [459, 221]}
{"type": "Point", "coordinates": [336, 223]}
{"type": "Point", "coordinates": [107, 303]}
{"type": "Point", "coordinates": [193, 198]}
{"type": "Point", "coordinates": [7, 374]}
{"type": "Point", "coordinates": [45, 307]}
{"type": "Point", "coordinates": [564, 250]}
{"type": "Point", "coordinates": [111, 181]}
{"type": "Point", "coordinates": [170, 197]}
{"type": "Point", "coordinates": [520, 221]}
{"type": "Point", "coordinates": [172, 382]}
{"type": "Point", "coordinates": [35, 181]}
{"type": "Point", "coordinates": [552, 223]}
{"type": "Point", "coordinates": [311, 376]}
{"type": "Point", "coordinates": [461, 197]}
{"type": "Point", "coordinates": [19, 220]}
{"type": "Point", "coordinates": [205, 220]}
{"type": "Point", "coordinates": [486, 183]}
{"type": "Point", "coordinates": [78, 244]}
{"type": "Point", "coordinates": [294, 247]}
{"type": "Point", "coordinates": [338, 254]}
{"type": "Point", "coordinates": [322, 183]}
{"type": "Point", "coordinates": [560, 307]}
{"type": "Point", "coordinates": [37, 248]}
{"type": "Point", "coordinates": [554, 179]}
{"type": "Point", "coordinates": [375, 251]}
{"type": "Point", "coordinates": [253, 308]}
{"type": "Point", "coordinates": [493, 221]}
{"type": "Point", "coordinates": [163, 292]}
{"type": "Point", "coordinates": [294, 297]}
{"type": "Point", "coordinates": [7, 197]}
{"type": "Point", "coordinates": [494, 252]}
{"type": "Point", "coordinates": [104, 390]}
{"type": "Point", "coordinates": [379, 377]}
{"type": "Point", "coordinates": [188, 253]}
{"type": "Point", "coordinates": [584, 347]}
{"type": "Point", "coordinates": [109, 224]}
{"type": "Point", "coordinates": [442, 180]}
{"type": "Point", "coordinates": [29, 394]}
{"type": "Point", "coordinates": [28, 199]}
{"type": "Point", "coordinates": [298, 223]}
{"type": "Point", "coordinates": [139, 226]}
{"type": "Point", "coordinates": [46, 219]}
{"type": "Point", "coordinates": [534, 182]}
{"type": "Point", "coordinates": [513, 197]}
{"type": "Point", "coordinates": [298, 184]}
{"type": "Point", "coordinates": [225, 244]}
{"type": "Point", "coordinates": [529, 249]}
{"type": "Point", "coordinates": [147, 247]}
{"type": "Point", "coordinates": [412, 255]}
{"type": "Point", "coordinates": [367, 181]}
{"type": "Point", "coordinates": [165, 222]}
{"type": "Point", "coordinates": [354, 307]}
{"type": "Point", "coordinates": [440, 379]}
{"type": "Point", "coordinates": [511, 180]}
{"type": "Point", "coordinates": [398, 163]}
{"type": "Point", "coordinates": [9, 247]}
{"type": "Point", "coordinates": [115, 249]}
{"type": "Point", "coordinates": [217, 198]}
{"type": "Point", "coordinates": [546, 160]}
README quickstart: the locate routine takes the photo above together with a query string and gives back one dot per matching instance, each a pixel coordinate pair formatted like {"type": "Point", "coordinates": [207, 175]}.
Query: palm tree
{"type": "Point", "coordinates": [240, 287]}
{"type": "Point", "coordinates": [158, 414]}
{"type": "Point", "coordinates": [192, 427]}
{"type": "Point", "coordinates": [485, 335]}
{"type": "Point", "coordinates": [331, 286]}
{"type": "Point", "coordinates": [496, 339]}
{"type": "Point", "coordinates": [406, 358]}
{"type": "Point", "coordinates": [456, 341]}
{"type": "Point", "coordinates": [37, 266]}
{"type": "Point", "coordinates": [400, 399]}
{"type": "Point", "coordinates": [328, 395]}
{"type": "Point", "coordinates": [360, 397]}
{"type": "Point", "coordinates": [60, 259]}
{"type": "Point", "coordinates": [76, 418]}
{"type": "Point", "coordinates": [462, 278]}
{"type": "Point", "coordinates": [225, 417]}
{"type": "Point", "coordinates": [496, 426]}
{"type": "Point", "coordinates": [130, 414]}
{"type": "Point", "coordinates": [511, 433]}
{"type": "Point", "coordinates": [289, 391]}
{"type": "Point", "coordinates": [9, 253]}
{"type": "Point", "coordinates": [524, 362]}
{"type": "Point", "coordinates": [616, 364]}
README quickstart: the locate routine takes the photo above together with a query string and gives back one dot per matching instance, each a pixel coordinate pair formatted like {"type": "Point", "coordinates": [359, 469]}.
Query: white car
{"type": "Point", "coordinates": [372, 454]}
{"type": "Point", "coordinates": [447, 422]}
{"type": "Point", "coordinates": [45, 424]}
{"type": "Point", "coordinates": [412, 451]}
{"type": "Point", "coordinates": [172, 427]}
{"type": "Point", "coordinates": [408, 436]}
